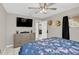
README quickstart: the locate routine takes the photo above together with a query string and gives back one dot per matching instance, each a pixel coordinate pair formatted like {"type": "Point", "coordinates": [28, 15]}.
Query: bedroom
{"type": "Point", "coordinates": [50, 19]}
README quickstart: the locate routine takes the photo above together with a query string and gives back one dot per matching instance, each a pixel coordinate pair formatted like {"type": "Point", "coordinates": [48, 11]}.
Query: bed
{"type": "Point", "coordinates": [50, 46]}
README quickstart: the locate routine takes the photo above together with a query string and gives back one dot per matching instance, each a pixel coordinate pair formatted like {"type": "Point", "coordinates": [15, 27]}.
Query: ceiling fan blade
{"type": "Point", "coordinates": [52, 8]}
{"type": "Point", "coordinates": [33, 8]}
{"type": "Point", "coordinates": [49, 4]}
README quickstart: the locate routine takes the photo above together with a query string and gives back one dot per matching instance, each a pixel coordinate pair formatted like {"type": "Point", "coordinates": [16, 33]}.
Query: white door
{"type": "Point", "coordinates": [36, 31]}
{"type": "Point", "coordinates": [44, 29]}
{"type": "Point", "coordinates": [43, 26]}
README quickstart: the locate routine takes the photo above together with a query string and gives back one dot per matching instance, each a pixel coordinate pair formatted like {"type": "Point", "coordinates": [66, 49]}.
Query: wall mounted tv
{"type": "Point", "coordinates": [23, 22]}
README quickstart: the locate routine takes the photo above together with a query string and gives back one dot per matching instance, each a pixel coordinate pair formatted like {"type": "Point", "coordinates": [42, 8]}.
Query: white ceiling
{"type": "Point", "coordinates": [22, 9]}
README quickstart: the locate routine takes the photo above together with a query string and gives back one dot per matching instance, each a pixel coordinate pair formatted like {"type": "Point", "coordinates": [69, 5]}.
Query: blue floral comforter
{"type": "Point", "coordinates": [50, 46]}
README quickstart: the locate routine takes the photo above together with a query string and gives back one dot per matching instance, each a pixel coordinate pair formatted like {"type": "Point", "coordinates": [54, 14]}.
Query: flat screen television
{"type": "Point", "coordinates": [23, 22]}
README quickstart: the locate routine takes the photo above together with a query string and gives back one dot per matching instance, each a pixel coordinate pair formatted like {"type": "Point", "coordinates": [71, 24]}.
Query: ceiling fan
{"type": "Point", "coordinates": [43, 7]}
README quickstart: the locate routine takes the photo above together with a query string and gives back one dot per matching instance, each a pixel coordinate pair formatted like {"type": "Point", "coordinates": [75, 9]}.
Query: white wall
{"type": "Point", "coordinates": [2, 28]}
{"type": "Point", "coordinates": [57, 31]}
{"type": "Point", "coordinates": [74, 33]}
{"type": "Point", "coordinates": [11, 26]}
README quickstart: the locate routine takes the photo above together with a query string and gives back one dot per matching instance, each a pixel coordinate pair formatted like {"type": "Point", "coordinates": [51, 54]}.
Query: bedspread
{"type": "Point", "coordinates": [50, 46]}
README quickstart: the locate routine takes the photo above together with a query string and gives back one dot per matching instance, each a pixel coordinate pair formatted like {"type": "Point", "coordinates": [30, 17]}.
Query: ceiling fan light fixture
{"type": "Point", "coordinates": [43, 7]}
{"type": "Point", "coordinates": [43, 11]}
